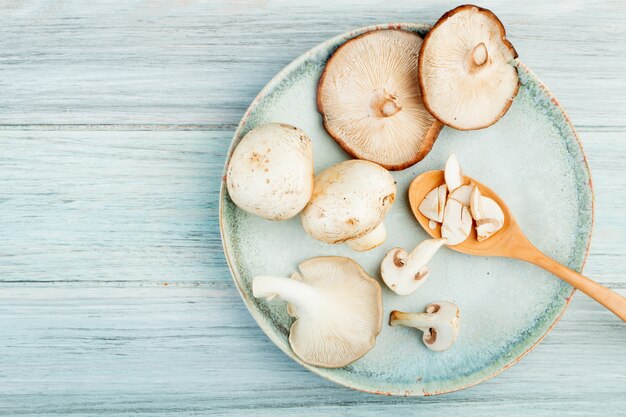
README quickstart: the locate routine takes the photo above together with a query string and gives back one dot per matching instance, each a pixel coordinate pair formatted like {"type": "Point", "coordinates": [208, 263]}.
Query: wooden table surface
{"type": "Point", "coordinates": [115, 119]}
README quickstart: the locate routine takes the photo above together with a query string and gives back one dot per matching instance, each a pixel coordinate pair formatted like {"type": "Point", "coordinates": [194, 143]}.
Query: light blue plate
{"type": "Point", "coordinates": [532, 158]}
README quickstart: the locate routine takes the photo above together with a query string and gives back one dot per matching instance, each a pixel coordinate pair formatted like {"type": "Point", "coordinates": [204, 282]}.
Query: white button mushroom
{"type": "Point", "coordinates": [270, 173]}
{"type": "Point", "coordinates": [488, 215]}
{"type": "Point", "coordinates": [440, 324]}
{"type": "Point", "coordinates": [349, 202]}
{"type": "Point", "coordinates": [338, 310]}
{"type": "Point", "coordinates": [404, 273]}
{"type": "Point", "coordinates": [370, 100]}
{"type": "Point", "coordinates": [466, 73]}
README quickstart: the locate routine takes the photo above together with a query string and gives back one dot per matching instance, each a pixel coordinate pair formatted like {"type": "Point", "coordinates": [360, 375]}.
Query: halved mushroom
{"type": "Point", "coordinates": [338, 309]}
{"type": "Point", "coordinates": [349, 202]}
{"type": "Point", "coordinates": [434, 203]}
{"type": "Point", "coordinates": [488, 215]}
{"type": "Point", "coordinates": [466, 70]}
{"type": "Point", "coordinates": [371, 103]}
{"type": "Point", "coordinates": [270, 173]}
{"type": "Point", "coordinates": [403, 272]}
{"type": "Point", "coordinates": [457, 223]}
{"type": "Point", "coordinates": [440, 324]}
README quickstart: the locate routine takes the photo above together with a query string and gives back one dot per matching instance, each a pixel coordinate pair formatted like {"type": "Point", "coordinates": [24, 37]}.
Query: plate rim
{"type": "Point", "coordinates": [268, 88]}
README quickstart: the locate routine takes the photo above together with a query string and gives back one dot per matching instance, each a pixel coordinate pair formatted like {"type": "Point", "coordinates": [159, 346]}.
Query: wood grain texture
{"type": "Point", "coordinates": [115, 298]}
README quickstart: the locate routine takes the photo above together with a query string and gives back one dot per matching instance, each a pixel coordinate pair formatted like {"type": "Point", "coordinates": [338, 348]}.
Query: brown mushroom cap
{"type": "Point", "coordinates": [371, 103]}
{"type": "Point", "coordinates": [465, 71]}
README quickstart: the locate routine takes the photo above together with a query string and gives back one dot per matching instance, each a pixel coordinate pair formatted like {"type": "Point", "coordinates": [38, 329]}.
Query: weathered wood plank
{"type": "Point", "coordinates": [193, 349]}
{"type": "Point", "coordinates": [202, 62]}
{"type": "Point", "coordinates": [143, 206]}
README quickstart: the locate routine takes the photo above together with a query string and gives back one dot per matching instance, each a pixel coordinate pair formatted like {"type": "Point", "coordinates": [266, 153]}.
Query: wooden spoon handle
{"type": "Point", "coordinates": [609, 299]}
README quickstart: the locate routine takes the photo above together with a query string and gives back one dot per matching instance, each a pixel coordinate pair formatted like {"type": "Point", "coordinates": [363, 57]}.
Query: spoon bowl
{"type": "Point", "coordinates": [509, 242]}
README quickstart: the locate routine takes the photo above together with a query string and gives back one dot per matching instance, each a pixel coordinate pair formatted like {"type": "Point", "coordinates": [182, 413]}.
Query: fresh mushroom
{"type": "Point", "coordinates": [466, 71]}
{"type": "Point", "coordinates": [349, 202]}
{"type": "Point", "coordinates": [457, 222]}
{"type": "Point", "coordinates": [337, 306]}
{"type": "Point", "coordinates": [434, 204]}
{"type": "Point", "coordinates": [453, 174]}
{"type": "Point", "coordinates": [440, 324]}
{"type": "Point", "coordinates": [270, 173]}
{"type": "Point", "coordinates": [488, 215]}
{"type": "Point", "coordinates": [462, 194]}
{"type": "Point", "coordinates": [371, 103]}
{"type": "Point", "coordinates": [403, 272]}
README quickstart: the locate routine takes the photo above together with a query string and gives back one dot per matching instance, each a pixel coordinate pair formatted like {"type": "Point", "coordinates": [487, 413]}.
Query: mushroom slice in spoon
{"type": "Point", "coordinates": [440, 324]}
{"type": "Point", "coordinates": [457, 222]}
{"type": "Point", "coordinates": [466, 73]}
{"type": "Point", "coordinates": [349, 203]}
{"type": "Point", "coordinates": [488, 215]}
{"type": "Point", "coordinates": [371, 103]}
{"type": "Point", "coordinates": [434, 203]}
{"type": "Point", "coordinates": [270, 173]}
{"type": "Point", "coordinates": [338, 309]}
{"type": "Point", "coordinates": [405, 272]}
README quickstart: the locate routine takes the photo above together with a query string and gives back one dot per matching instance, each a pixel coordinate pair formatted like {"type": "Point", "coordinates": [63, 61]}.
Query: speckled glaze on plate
{"type": "Point", "coordinates": [532, 158]}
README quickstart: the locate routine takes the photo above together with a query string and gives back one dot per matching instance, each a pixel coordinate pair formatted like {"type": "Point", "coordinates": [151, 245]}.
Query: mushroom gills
{"type": "Point", "coordinates": [466, 69]}
{"type": "Point", "coordinates": [440, 324]}
{"type": "Point", "coordinates": [337, 309]}
{"type": "Point", "coordinates": [370, 100]}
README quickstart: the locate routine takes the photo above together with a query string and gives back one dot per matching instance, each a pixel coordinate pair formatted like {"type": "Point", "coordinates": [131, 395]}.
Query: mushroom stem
{"type": "Point", "coordinates": [421, 321]}
{"type": "Point", "coordinates": [480, 55]}
{"type": "Point", "coordinates": [369, 240]}
{"type": "Point", "coordinates": [290, 290]}
{"type": "Point", "coordinates": [384, 104]}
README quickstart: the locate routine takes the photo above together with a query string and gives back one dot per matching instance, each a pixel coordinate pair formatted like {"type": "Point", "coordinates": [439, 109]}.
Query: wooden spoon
{"type": "Point", "coordinates": [510, 242]}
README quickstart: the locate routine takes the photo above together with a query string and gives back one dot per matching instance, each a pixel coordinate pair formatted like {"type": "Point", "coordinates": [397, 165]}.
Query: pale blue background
{"type": "Point", "coordinates": [115, 298]}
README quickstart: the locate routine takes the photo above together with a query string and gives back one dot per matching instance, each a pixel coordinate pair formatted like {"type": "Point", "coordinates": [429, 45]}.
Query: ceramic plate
{"type": "Point", "coordinates": [532, 158]}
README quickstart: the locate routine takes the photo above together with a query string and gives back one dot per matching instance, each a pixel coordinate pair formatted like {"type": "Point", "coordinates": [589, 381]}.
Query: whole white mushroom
{"type": "Point", "coordinates": [270, 173]}
{"type": "Point", "coordinates": [349, 202]}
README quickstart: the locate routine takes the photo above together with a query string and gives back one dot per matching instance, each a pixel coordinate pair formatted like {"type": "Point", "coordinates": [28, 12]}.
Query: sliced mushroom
{"type": "Point", "coordinates": [434, 203]}
{"type": "Point", "coordinates": [349, 202]}
{"type": "Point", "coordinates": [270, 173]}
{"type": "Point", "coordinates": [440, 324]}
{"type": "Point", "coordinates": [337, 306]}
{"type": "Point", "coordinates": [466, 70]}
{"type": "Point", "coordinates": [462, 194]}
{"type": "Point", "coordinates": [404, 273]}
{"type": "Point", "coordinates": [488, 215]}
{"type": "Point", "coordinates": [457, 223]}
{"type": "Point", "coordinates": [453, 173]}
{"type": "Point", "coordinates": [370, 100]}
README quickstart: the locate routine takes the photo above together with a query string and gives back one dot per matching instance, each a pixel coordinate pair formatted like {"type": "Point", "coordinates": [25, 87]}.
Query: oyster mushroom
{"type": "Point", "coordinates": [349, 202]}
{"type": "Point", "coordinates": [405, 272]}
{"type": "Point", "coordinates": [466, 70]}
{"type": "Point", "coordinates": [270, 173]}
{"type": "Point", "coordinates": [338, 309]}
{"type": "Point", "coordinates": [440, 324]}
{"type": "Point", "coordinates": [371, 103]}
{"type": "Point", "coordinates": [487, 213]}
